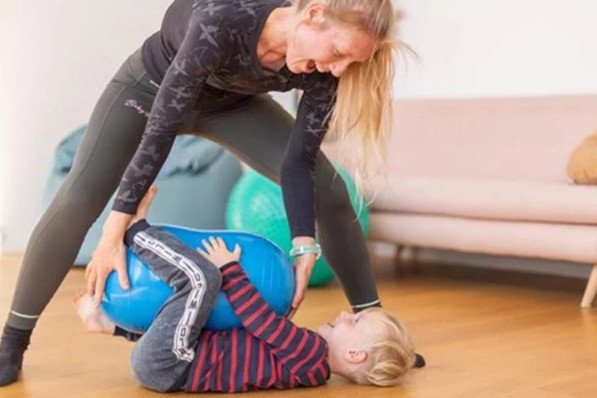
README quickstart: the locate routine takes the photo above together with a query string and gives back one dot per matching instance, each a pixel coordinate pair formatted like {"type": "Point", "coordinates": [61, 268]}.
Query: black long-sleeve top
{"type": "Point", "coordinates": [206, 54]}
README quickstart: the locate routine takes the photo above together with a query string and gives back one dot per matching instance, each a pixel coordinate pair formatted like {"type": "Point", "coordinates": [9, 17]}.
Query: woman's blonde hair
{"type": "Point", "coordinates": [362, 116]}
{"type": "Point", "coordinates": [391, 356]}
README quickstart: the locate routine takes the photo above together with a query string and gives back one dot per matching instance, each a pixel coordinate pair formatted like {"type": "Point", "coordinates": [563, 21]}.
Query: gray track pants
{"type": "Point", "coordinates": [162, 357]}
{"type": "Point", "coordinates": [255, 129]}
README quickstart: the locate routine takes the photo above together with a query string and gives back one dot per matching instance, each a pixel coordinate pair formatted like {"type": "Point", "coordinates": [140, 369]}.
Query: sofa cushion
{"type": "Point", "coordinates": [570, 242]}
{"type": "Point", "coordinates": [486, 199]}
{"type": "Point", "coordinates": [524, 139]}
{"type": "Point", "coordinates": [518, 139]}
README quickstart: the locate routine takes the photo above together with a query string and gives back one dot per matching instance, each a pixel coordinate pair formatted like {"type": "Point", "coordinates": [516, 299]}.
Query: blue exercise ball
{"type": "Point", "coordinates": [266, 265]}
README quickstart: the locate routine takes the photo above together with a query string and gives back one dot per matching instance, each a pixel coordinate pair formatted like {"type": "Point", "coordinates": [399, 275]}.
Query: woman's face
{"type": "Point", "coordinates": [329, 47]}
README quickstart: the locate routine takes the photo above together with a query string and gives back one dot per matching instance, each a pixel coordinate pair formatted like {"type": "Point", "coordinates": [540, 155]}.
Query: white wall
{"type": "Point", "coordinates": [57, 55]}
{"type": "Point", "coordinates": [477, 48]}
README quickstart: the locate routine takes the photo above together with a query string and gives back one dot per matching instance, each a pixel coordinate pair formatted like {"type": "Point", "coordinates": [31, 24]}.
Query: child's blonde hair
{"type": "Point", "coordinates": [363, 114]}
{"type": "Point", "coordinates": [391, 355]}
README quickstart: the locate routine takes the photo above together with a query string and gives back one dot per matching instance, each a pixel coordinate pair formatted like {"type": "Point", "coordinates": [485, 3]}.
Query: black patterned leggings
{"type": "Point", "coordinates": [256, 129]}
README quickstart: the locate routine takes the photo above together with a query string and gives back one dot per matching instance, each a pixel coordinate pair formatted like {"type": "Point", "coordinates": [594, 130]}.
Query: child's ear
{"type": "Point", "coordinates": [355, 356]}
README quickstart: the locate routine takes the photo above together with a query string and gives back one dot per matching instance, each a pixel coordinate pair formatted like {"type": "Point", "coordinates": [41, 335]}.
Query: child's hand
{"type": "Point", "coordinates": [217, 252]}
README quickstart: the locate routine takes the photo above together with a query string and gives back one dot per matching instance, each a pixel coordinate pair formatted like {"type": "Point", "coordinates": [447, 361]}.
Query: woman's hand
{"type": "Point", "coordinates": [217, 253]}
{"type": "Point", "coordinates": [109, 255]}
{"type": "Point", "coordinates": [303, 267]}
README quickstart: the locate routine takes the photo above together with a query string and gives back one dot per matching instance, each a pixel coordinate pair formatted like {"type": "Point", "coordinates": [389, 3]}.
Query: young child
{"type": "Point", "coordinates": [370, 347]}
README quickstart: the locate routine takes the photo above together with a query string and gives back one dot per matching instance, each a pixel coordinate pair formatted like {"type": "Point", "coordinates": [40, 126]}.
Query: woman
{"type": "Point", "coordinates": [205, 72]}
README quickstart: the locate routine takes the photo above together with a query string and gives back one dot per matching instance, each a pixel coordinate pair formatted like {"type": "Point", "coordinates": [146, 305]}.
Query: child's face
{"type": "Point", "coordinates": [350, 330]}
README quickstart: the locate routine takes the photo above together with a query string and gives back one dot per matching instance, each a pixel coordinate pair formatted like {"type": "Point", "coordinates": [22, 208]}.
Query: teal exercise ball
{"type": "Point", "coordinates": [256, 205]}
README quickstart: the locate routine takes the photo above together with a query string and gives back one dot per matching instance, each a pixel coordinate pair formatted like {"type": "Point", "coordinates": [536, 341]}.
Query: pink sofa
{"type": "Point", "coordinates": [489, 176]}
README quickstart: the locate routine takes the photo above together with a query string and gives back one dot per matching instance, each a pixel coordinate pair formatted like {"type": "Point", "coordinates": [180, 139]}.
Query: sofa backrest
{"type": "Point", "coordinates": [496, 138]}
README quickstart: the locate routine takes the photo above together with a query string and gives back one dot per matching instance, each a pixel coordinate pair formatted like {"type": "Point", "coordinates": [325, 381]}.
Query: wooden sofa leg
{"type": "Point", "coordinates": [405, 260]}
{"type": "Point", "coordinates": [397, 258]}
{"type": "Point", "coordinates": [591, 289]}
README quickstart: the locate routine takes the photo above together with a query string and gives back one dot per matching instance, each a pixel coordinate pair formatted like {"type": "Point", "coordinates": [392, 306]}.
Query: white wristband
{"type": "Point", "coordinates": [299, 250]}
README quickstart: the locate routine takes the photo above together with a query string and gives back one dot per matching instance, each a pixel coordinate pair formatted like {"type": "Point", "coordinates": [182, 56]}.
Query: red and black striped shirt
{"type": "Point", "coordinates": [269, 352]}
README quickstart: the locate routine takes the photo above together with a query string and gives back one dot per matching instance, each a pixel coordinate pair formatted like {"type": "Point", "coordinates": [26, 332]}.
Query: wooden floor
{"type": "Point", "coordinates": [514, 338]}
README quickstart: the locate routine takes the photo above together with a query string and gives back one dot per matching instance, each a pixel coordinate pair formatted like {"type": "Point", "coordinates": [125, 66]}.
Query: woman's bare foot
{"type": "Point", "coordinates": [94, 320]}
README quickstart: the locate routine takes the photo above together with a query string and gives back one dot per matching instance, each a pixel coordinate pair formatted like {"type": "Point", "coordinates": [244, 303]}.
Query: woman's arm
{"type": "Point", "coordinates": [200, 54]}
{"type": "Point", "coordinates": [298, 171]}
{"type": "Point", "coordinates": [298, 166]}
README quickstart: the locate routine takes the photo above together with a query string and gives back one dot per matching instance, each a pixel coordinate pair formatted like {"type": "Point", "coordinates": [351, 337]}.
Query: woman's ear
{"type": "Point", "coordinates": [315, 12]}
{"type": "Point", "coordinates": [355, 357]}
